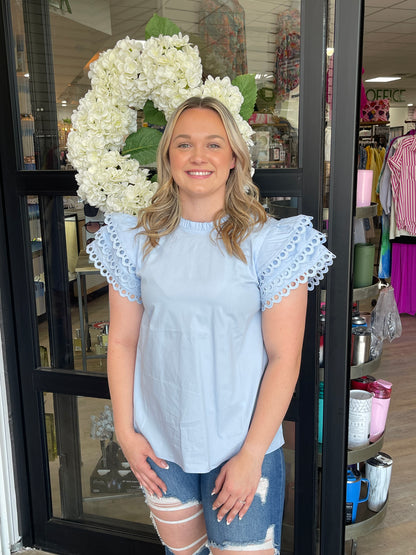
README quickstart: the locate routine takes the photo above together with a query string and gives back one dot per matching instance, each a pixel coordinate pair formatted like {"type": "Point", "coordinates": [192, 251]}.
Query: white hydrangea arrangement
{"type": "Point", "coordinates": [156, 76]}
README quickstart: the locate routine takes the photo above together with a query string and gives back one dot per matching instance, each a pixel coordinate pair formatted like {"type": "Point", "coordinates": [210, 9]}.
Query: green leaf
{"type": "Point", "coordinates": [160, 26]}
{"type": "Point", "coordinates": [152, 115]}
{"type": "Point", "coordinates": [142, 145]}
{"type": "Point", "coordinates": [154, 178]}
{"type": "Point", "coordinates": [247, 85]}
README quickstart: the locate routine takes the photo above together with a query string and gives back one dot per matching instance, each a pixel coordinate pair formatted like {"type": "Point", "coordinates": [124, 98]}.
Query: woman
{"type": "Point", "coordinates": [207, 313]}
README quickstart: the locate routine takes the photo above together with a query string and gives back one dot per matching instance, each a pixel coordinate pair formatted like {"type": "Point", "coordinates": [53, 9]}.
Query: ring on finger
{"type": "Point", "coordinates": [243, 501]}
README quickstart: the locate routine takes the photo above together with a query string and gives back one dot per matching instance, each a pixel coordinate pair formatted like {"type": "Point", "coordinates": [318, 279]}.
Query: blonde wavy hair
{"type": "Point", "coordinates": [242, 209]}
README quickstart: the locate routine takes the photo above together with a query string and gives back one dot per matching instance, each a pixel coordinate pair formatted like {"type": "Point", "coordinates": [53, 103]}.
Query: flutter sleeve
{"type": "Point", "coordinates": [115, 252]}
{"type": "Point", "coordinates": [291, 253]}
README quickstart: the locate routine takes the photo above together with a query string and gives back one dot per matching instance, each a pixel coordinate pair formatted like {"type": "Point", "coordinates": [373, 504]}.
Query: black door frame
{"type": "Point", "coordinates": [27, 380]}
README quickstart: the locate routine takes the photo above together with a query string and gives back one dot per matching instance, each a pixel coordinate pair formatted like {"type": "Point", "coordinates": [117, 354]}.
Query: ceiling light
{"type": "Point", "coordinates": [26, 75]}
{"type": "Point", "coordinates": [410, 104]}
{"type": "Point", "coordinates": [382, 79]}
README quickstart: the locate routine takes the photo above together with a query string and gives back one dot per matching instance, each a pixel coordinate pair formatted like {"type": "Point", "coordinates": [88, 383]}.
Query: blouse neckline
{"type": "Point", "coordinates": [199, 227]}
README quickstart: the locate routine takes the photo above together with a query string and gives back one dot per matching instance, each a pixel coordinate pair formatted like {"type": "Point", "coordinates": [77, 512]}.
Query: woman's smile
{"type": "Point", "coordinates": [198, 173]}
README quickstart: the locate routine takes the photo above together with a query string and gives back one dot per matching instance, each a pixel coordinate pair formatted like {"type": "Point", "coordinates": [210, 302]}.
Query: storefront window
{"type": "Point", "coordinates": [85, 288]}
{"type": "Point", "coordinates": [233, 38]}
{"type": "Point", "coordinates": [106, 485]}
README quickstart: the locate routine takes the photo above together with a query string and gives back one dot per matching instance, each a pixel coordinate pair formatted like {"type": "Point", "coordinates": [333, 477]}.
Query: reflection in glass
{"type": "Point", "coordinates": [233, 37]}
{"type": "Point", "coordinates": [107, 486]}
{"type": "Point", "coordinates": [281, 207]}
{"type": "Point", "coordinates": [87, 289]}
{"type": "Point", "coordinates": [90, 316]}
{"type": "Point", "coordinates": [36, 246]}
{"type": "Point", "coordinates": [328, 106]}
{"type": "Point", "coordinates": [288, 528]}
{"type": "Point", "coordinates": [89, 299]}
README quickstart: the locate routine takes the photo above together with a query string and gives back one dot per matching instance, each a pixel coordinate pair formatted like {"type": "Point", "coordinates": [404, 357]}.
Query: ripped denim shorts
{"type": "Point", "coordinates": [189, 493]}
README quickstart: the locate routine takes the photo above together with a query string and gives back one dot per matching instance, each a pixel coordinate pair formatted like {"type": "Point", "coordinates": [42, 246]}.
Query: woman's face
{"type": "Point", "coordinates": [200, 159]}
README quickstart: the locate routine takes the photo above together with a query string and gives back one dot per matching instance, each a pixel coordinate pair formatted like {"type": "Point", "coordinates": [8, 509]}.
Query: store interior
{"type": "Point", "coordinates": [389, 50]}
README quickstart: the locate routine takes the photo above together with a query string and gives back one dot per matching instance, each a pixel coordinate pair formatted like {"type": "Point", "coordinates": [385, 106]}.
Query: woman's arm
{"type": "Point", "coordinates": [125, 320]}
{"type": "Point", "coordinates": [283, 328]}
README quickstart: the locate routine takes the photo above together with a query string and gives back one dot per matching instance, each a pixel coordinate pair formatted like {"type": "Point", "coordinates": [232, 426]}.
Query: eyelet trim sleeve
{"type": "Point", "coordinates": [114, 254]}
{"type": "Point", "coordinates": [295, 254]}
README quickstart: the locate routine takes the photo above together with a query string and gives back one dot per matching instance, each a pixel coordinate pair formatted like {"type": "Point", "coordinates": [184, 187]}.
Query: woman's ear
{"type": "Point", "coordinates": [233, 162]}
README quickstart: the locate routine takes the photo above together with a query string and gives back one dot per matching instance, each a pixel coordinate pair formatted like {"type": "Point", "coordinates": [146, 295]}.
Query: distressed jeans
{"type": "Point", "coordinates": [261, 525]}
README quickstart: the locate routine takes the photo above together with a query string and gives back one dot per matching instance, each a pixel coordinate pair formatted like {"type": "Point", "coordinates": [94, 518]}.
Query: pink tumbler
{"type": "Point", "coordinates": [380, 407]}
{"type": "Point", "coordinates": [364, 187]}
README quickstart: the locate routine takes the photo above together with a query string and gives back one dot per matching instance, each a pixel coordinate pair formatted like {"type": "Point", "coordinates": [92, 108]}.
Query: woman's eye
{"type": "Point", "coordinates": [184, 145]}
{"type": "Point", "coordinates": [214, 145]}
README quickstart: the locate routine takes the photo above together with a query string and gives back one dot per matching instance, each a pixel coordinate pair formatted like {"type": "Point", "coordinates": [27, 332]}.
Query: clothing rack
{"type": "Point", "coordinates": [374, 139]}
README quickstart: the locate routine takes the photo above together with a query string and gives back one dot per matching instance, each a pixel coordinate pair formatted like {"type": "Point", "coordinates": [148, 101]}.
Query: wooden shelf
{"type": "Point", "coordinates": [364, 453]}
{"type": "Point", "coordinates": [364, 369]}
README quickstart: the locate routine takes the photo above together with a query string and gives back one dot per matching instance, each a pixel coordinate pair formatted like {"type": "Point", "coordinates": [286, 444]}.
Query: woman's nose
{"type": "Point", "coordinates": [197, 155]}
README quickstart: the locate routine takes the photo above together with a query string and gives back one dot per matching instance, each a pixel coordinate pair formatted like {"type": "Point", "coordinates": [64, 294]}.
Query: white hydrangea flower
{"type": "Point", "coordinates": [224, 91]}
{"type": "Point", "coordinates": [166, 70]}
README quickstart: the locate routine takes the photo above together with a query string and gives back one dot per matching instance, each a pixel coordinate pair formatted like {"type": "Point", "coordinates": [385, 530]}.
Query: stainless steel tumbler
{"type": "Point", "coordinates": [360, 348]}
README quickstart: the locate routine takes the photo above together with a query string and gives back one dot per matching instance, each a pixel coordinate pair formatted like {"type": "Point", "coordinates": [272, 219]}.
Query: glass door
{"type": "Point", "coordinates": [82, 490]}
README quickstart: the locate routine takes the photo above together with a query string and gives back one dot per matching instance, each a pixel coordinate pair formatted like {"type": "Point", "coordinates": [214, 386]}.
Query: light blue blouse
{"type": "Point", "coordinates": [200, 355]}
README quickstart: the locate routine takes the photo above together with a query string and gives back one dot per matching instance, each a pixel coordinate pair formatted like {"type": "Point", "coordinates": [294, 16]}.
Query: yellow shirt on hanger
{"type": "Point", "coordinates": [375, 159]}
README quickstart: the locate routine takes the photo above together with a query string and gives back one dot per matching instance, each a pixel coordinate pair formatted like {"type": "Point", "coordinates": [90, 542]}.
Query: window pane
{"type": "Point", "coordinates": [87, 450]}
{"type": "Point", "coordinates": [36, 247]}
{"type": "Point", "coordinates": [90, 313]}
{"type": "Point", "coordinates": [82, 285]}
{"type": "Point", "coordinates": [261, 38]}
{"type": "Point", "coordinates": [288, 525]}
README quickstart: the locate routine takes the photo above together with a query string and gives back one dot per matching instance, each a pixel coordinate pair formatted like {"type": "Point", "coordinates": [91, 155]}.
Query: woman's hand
{"type": "Point", "coordinates": [137, 449]}
{"type": "Point", "coordinates": [236, 485]}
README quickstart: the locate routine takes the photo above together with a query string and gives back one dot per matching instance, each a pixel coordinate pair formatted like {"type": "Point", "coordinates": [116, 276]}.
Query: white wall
{"type": "Point", "coordinates": [398, 115]}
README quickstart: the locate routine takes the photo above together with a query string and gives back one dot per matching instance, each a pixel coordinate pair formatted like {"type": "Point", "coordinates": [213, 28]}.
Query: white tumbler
{"type": "Point", "coordinates": [359, 418]}
{"type": "Point", "coordinates": [378, 473]}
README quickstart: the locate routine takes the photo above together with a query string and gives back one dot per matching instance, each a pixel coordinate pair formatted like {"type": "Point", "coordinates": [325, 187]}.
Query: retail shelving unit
{"type": "Point", "coordinates": [366, 520]}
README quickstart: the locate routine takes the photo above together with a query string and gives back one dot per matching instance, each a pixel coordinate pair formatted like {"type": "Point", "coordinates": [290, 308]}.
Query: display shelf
{"type": "Point", "coordinates": [366, 521]}
{"type": "Point", "coordinates": [366, 211]}
{"type": "Point", "coordinates": [364, 453]}
{"type": "Point", "coordinates": [358, 455]}
{"type": "Point", "coordinates": [361, 293]}
{"type": "Point", "coordinates": [367, 292]}
{"type": "Point", "coordinates": [364, 369]}
{"type": "Point", "coordinates": [371, 123]}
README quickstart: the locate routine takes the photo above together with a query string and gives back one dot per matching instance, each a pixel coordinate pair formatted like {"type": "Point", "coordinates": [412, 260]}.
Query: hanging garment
{"type": "Point", "coordinates": [375, 157]}
{"type": "Point", "coordinates": [384, 265]}
{"type": "Point", "coordinates": [403, 276]}
{"type": "Point", "coordinates": [394, 231]}
{"type": "Point", "coordinates": [403, 182]}
{"type": "Point", "coordinates": [384, 180]}
{"type": "Point", "coordinates": [362, 158]}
